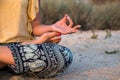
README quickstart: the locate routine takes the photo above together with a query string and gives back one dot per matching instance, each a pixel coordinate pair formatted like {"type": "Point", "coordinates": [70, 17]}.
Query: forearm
{"type": "Point", "coordinates": [41, 29]}
{"type": "Point", "coordinates": [38, 27]}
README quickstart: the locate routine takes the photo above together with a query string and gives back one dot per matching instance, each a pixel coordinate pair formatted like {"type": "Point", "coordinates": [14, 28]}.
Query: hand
{"type": "Point", "coordinates": [56, 39]}
{"type": "Point", "coordinates": [43, 38]}
{"type": "Point", "coordinates": [62, 27]}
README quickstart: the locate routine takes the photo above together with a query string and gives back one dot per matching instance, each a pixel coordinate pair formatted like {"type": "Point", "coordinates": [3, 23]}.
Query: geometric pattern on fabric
{"type": "Point", "coordinates": [43, 60]}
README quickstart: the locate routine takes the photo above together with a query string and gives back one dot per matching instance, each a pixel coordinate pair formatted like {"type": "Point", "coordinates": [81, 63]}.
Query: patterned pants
{"type": "Point", "coordinates": [44, 60]}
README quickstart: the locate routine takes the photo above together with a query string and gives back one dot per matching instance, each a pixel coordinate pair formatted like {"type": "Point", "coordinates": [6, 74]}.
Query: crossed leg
{"type": "Point", "coordinates": [45, 59]}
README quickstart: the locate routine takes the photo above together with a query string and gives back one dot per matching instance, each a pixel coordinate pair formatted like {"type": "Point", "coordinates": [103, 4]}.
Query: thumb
{"type": "Point", "coordinates": [64, 18]}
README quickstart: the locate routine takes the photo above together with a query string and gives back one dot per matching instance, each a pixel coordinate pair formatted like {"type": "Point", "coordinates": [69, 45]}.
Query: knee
{"type": "Point", "coordinates": [60, 58]}
{"type": "Point", "coordinates": [63, 60]}
{"type": "Point", "coordinates": [66, 59]}
{"type": "Point", "coordinates": [67, 56]}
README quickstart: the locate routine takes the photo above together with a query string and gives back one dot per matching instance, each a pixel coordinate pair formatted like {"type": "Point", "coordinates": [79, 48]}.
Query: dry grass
{"type": "Point", "coordinates": [90, 15]}
{"type": "Point", "coordinates": [101, 2]}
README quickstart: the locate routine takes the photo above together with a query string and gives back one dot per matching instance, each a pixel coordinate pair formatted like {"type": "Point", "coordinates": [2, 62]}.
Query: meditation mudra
{"type": "Point", "coordinates": [20, 51]}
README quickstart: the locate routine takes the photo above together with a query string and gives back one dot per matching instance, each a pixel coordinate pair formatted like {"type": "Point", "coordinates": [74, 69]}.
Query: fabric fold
{"type": "Point", "coordinates": [33, 8]}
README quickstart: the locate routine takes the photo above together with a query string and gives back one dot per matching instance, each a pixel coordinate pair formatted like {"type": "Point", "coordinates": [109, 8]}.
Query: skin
{"type": "Point", "coordinates": [45, 33]}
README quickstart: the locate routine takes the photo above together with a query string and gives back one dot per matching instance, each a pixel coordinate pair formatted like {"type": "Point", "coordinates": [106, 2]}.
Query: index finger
{"type": "Point", "coordinates": [70, 21]}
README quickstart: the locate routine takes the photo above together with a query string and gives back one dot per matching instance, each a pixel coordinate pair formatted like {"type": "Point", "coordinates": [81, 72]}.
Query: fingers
{"type": "Point", "coordinates": [56, 38]}
{"type": "Point", "coordinates": [75, 29]}
{"type": "Point", "coordinates": [59, 34]}
{"type": "Point", "coordinates": [43, 38]}
{"type": "Point", "coordinates": [70, 21]}
{"type": "Point", "coordinates": [49, 35]}
{"type": "Point", "coordinates": [63, 20]}
{"type": "Point", "coordinates": [56, 41]}
{"type": "Point", "coordinates": [62, 30]}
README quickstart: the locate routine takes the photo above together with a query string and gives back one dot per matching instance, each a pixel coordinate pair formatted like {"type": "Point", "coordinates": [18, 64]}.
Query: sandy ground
{"type": "Point", "coordinates": [94, 59]}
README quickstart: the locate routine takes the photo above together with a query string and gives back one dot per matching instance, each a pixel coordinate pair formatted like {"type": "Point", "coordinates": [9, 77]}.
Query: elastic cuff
{"type": "Point", "coordinates": [18, 67]}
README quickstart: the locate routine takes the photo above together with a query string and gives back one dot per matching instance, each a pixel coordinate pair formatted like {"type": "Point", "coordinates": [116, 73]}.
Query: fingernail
{"type": "Point", "coordinates": [58, 34]}
{"type": "Point", "coordinates": [68, 16]}
{"type": "Point", "coordinates": [79, 26]}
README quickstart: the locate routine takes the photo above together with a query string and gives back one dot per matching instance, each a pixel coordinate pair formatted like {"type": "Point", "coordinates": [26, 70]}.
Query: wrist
{"type": "Point", "coordinates": [52, 28]}
{"type": "Point", "coordinates": [24, 43]}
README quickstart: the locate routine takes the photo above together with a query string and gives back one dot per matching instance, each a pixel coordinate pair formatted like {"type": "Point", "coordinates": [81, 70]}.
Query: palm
{"type": "Point", "coordinates": [64, 28]}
